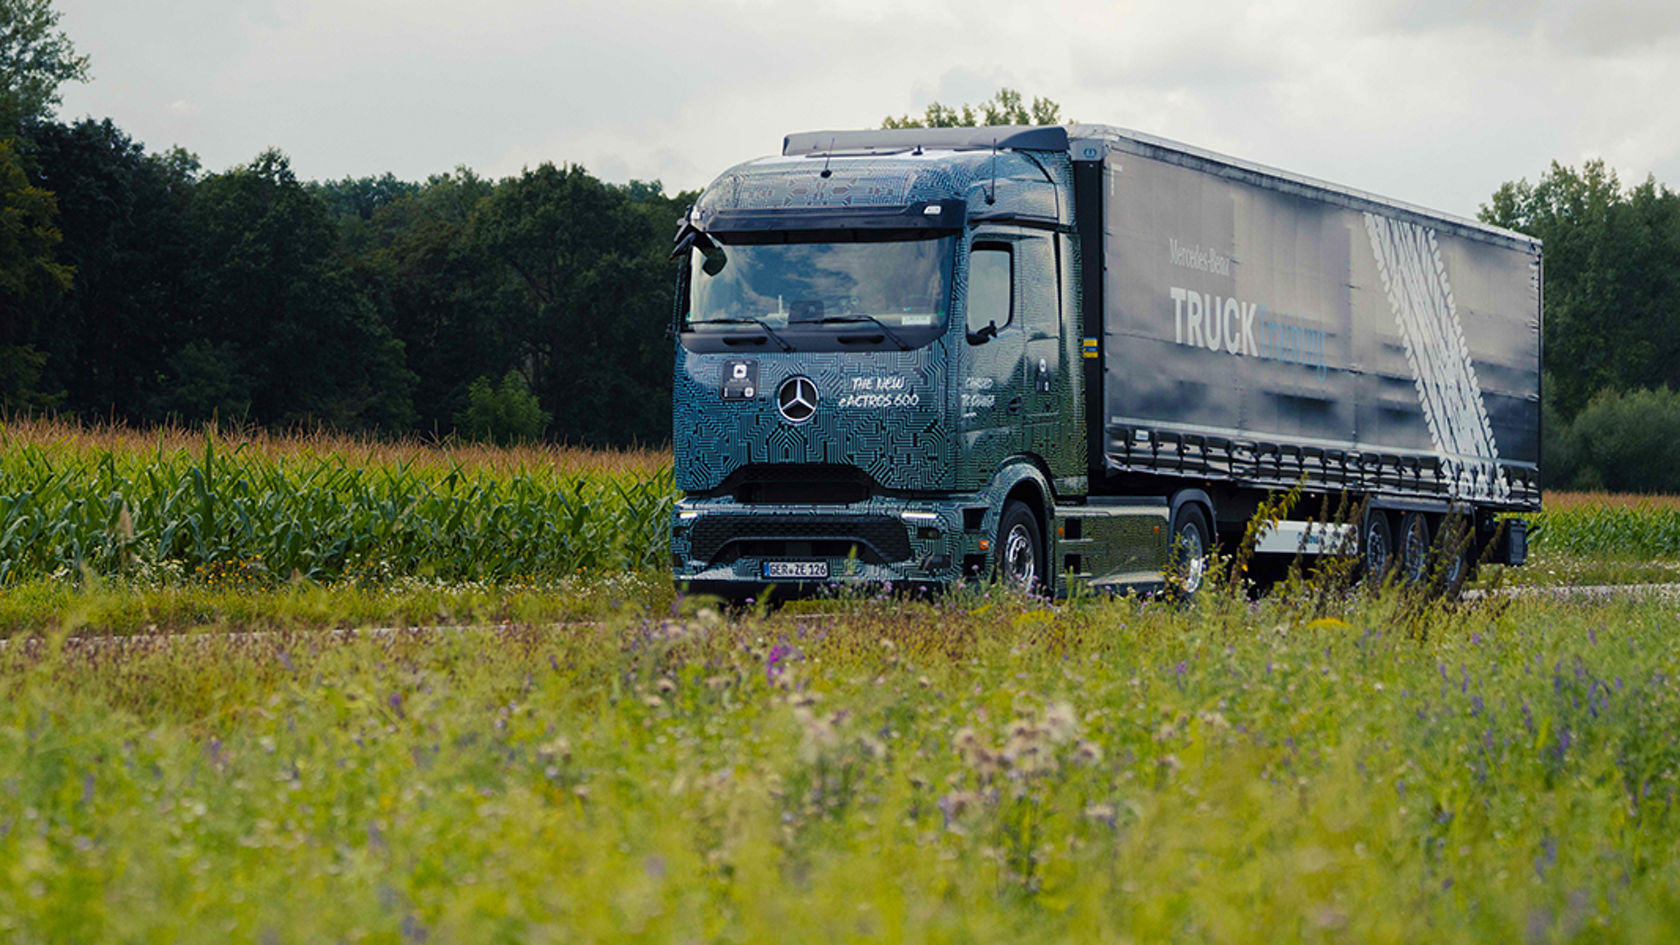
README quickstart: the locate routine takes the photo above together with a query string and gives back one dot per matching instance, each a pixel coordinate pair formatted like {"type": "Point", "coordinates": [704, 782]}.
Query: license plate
{"type": "Point", "coordinates": [803, 570]}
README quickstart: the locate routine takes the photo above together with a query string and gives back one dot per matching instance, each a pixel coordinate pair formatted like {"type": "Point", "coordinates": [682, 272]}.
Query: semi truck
{"type": "Point", "coordinates": [1083, 356]}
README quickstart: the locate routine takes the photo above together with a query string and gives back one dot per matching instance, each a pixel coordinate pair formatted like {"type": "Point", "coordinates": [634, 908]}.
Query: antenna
{"type": "Point", "coordinates": [826, 156]}
{"type": "Point", "coordinates": [991, 198]}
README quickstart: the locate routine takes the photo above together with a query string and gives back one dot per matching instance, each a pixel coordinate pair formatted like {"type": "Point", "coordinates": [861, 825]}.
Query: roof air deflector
{"type": "Point", "coordinates": [895, 140]}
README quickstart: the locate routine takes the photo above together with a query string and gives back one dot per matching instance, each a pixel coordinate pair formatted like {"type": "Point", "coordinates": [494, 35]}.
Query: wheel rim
{"type": "Point", "coordinates": [1193, 558]}
{"type": "Point", "coordinates": [1458, 557]}
{"type": "Point", "coordinates": [1019, 557]}
{"type": "Point", "coordinates": [1376, 550]}
{"type": "Point", "coordinates": [1455, 570]}
{"type": "Point", "coordinates": [1417, 551]}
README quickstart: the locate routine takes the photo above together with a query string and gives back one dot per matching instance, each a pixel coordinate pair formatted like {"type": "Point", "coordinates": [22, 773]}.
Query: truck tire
{"type": "Point", "coordinates": [1414, 549]}
{"type": "Point", "coordinates": [1187, 556]}
{"type": "Point", "coordinates": [1020, 547]}
{"type": "Point", "coordinates": [1376, 546]}
{"type": "Point", "coordinates": [1457, 553]}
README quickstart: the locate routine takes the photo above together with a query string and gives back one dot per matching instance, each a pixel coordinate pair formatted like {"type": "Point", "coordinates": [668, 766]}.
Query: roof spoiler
{"type": "Point", "coordinates": [895, 140]}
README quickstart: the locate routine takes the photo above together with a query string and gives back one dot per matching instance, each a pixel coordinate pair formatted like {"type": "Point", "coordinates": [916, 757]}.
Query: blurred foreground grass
{"type": "Point", "coordinates": [979, 769]}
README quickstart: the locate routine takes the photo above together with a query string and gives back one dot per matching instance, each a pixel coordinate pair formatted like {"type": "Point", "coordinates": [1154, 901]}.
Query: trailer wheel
{"type": "Point", "coordinates": [1187, 559]}
{"type": "Point", "coordinates": [1456, 553]}
{"type": "Point", "coordinates": [1376, 546]}
{"type": "Point", "coordinates": [1414, 548]}
{"type": "Point", "coordinates": [1020, 546]}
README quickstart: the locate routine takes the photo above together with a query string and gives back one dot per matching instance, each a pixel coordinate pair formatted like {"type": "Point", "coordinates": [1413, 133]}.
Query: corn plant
{"type": "Point", "coordinates": [232, 515]}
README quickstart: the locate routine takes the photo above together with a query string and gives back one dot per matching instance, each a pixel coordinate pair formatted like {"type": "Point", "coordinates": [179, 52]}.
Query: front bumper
{"type": "Point", "coordinates": [721, 546]}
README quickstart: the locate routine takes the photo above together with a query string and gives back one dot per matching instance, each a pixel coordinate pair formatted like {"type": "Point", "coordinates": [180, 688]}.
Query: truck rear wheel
{"type": "Point", "coordinates": [1414, 548]}
{"type": "Point", "coordinates": [1456, 551]}
{"type": "Point", "coordinates": [1192, 539]}
{"type": "Point", "coordinates": [1020, 546]}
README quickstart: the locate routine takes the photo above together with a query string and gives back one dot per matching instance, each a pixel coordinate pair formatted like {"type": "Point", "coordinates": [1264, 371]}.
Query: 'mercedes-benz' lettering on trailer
{"type": "Point", "coordinates": [1197, 258]}
{"type": "Point", "coordinates": [1222, 323]}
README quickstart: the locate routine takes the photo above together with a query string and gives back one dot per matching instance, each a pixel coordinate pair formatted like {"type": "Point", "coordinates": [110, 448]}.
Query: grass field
{"type": "Point", "coordinates": [982, 769]}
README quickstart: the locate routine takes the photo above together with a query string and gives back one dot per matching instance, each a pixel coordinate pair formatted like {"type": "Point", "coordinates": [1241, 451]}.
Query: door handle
{"type": "Point", "coordinates": [1014, 405]}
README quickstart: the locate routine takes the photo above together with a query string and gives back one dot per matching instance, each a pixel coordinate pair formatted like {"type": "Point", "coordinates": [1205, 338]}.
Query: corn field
{"type": "Point", "coordinates": [1635, 530]}
{"type": "Point", "coordinates": [227, 514]}
{"type": "Point", "coordinates": [254, 509]}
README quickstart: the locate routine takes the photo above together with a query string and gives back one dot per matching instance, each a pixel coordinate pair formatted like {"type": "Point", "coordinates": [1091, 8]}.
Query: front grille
{"type": "Point", "coordinates": [802, 484]}
{"type": "Point", "coordinates": [878, 537]}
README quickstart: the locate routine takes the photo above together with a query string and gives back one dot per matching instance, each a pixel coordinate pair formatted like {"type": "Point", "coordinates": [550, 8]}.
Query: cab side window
{"type": "Point", "coordinates": [1042, 315]}
{"type": "Point", "coordinates": [991, 287]}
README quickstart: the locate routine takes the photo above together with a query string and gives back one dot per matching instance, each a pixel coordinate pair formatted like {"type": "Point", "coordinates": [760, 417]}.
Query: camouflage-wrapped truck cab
{"type": "Point", "coordinates": [1083, 355]}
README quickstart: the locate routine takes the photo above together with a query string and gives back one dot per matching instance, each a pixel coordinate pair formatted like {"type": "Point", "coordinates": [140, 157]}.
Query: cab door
{"type": "Point", "coordinates": [1041, 322]}
{"type": "Point", "coordinates": [991, 404]}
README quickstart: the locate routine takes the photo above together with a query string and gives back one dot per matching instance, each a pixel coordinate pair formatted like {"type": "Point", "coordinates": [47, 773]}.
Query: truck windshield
{"type": "Point", "coordinates": [831, 284]}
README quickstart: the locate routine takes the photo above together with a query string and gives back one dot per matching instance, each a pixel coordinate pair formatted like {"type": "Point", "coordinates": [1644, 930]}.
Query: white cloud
{"type": "Point", "coordinates": [1429, 101]}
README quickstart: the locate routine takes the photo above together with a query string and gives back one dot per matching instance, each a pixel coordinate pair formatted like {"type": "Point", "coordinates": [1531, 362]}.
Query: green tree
{"type": "Point", "coordinates": [35, 59]}
{"type": "Point", "coordinates": [591, 261]}
{"type": "Point", "coordinates": [28, 234]}
{"type": "Point", "coordinates": [1612, 278]}
{"type": "Point", "coordinates": [1004, 108]}
{"type": "Point", "coordinates": [271, 292]}
{"type": "Point", "coordinates": [29, 277]}
{"type": "Point", "coordinates": [207, 380]}
{"type": "Point", "coordinates": [121, 213]}
{"type": "Point", "coordinates": [506, 413]}
{"type": "Point", "coordinates": [361, 196]}
{"type": "Point", "coordinates": [449, 300]}
{"type": "Point", "coordinates": [1624, 442]}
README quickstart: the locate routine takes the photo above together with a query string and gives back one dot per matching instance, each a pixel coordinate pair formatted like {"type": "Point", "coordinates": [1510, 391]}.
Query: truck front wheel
{"type": "Point", "coordinates": [1020, 546]}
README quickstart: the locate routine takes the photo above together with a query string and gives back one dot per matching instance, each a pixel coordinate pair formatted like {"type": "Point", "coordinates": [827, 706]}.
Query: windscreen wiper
{"type": "Point", "coordinates": [860, 317]}
{"type": "Point", "coordinates": [746, 320]}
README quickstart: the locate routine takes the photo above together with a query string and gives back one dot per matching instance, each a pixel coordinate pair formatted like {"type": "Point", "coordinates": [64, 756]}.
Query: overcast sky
{"type": "Point", "coordinates": [1429, 101]}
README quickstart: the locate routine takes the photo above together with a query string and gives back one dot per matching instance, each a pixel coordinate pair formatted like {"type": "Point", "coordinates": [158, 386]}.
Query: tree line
{"type": "Point", "coordinates": [1611, 324]}
{"type": "Point", "coordinates": [144, 290]}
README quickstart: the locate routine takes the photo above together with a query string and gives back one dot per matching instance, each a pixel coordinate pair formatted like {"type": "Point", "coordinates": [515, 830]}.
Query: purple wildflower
{"type": "Point", "coordinates": [779, 654]}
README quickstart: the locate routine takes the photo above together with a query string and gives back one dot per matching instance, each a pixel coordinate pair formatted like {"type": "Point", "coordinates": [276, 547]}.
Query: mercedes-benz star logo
{"type": "Point", "coordinates": [797, 399]}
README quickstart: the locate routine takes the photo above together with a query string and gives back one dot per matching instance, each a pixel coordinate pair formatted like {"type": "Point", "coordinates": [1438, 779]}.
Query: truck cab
{"type": "Point", "coordinates": [878, 353]}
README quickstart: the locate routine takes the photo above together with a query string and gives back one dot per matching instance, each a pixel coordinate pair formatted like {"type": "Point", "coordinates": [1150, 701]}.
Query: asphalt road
{"type": "Point", "coordinates": [1583, 591]}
